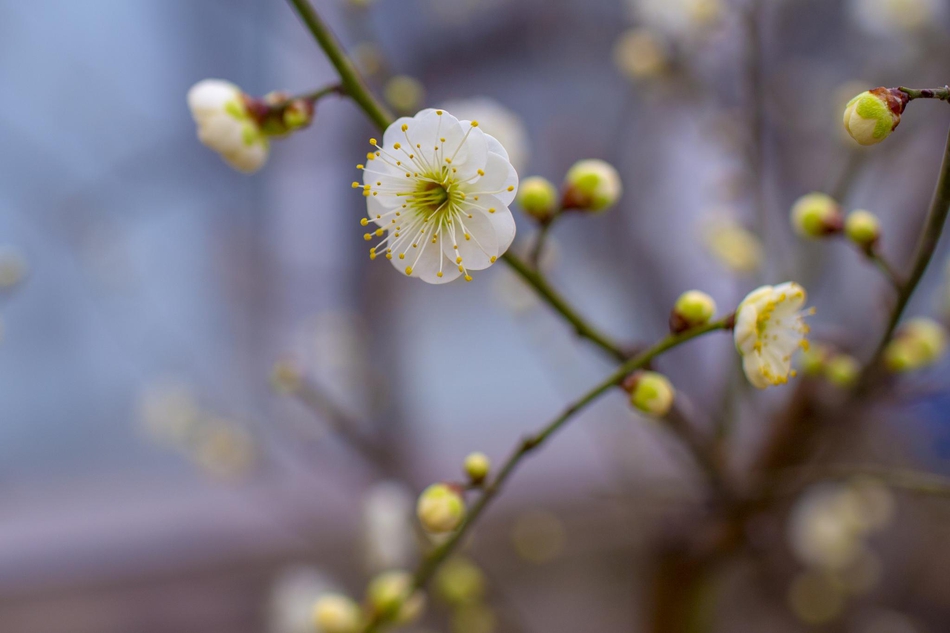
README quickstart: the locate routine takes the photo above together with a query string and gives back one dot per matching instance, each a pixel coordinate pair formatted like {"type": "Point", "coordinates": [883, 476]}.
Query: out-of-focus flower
{"type": "Point", "coordinates": [498, 121]}
{"type": "Point", "coordinates": [734, 246]}
{"type": "Point", "coordinates": [871, 116]}
{"type": "Point", "coordinates": [13, 267]}
{"type": "Point", "coordinates": [538, 536]}
{"type": "Point", "coordinates": [897, 17]}
{"type": "Point", "coordinates": [770, 327]}
{"type": "Point", "coordinates": [441, 188]}
{"type": "Point", "coordinates": [223, 448]}
{"type": "Point", "coordinates": [816, 215]}
{"type": "Point", "coordinates": [842, 370]}
{"type": "Point", "coordinates": [863, 228]}
{"type": "Point", "coordinates": [591, 185]}
{"type": "Point", "coordinates": [440, 509]}
{"type": "Point", "coordinates": [680, 18]}
{"type": "Point", "coordinates": [919, 343]}
{"type": "Point", "coordinates": [476, 467]}
{"type": "Point", "coordinates": [641, 54]}
{"type": "Point", "coordinates": [816, 597]}
{"type": "Point", "coordinates": [691, 309]}
{"type": "Point", "coordinates": [814, 359]}
{"type": "Point", "coordinates": [650, 392]}
{"type": "Point", "coordinates": [538, 198]}
{"type": "Point", "coordinates": [336, 613]}
{"type": "Point", "coordinates": [226, 126]}
{"type": "Point", "coordinates": [460, 581]}
{"type": "Point", "coordinates": [474, 618]}
{"type": "Point", "coordinates": [404, 93]}
{"type": "Point", "coordinates": [388, 526]}
{"type": "Point", "coordinates": [169, 412]}
{"type": "Point", "coordinates": [369, 59]}
{"type": "Point", "coordinates": [293, 596]}
{"type": "Point", "coordinates": [391, 595]}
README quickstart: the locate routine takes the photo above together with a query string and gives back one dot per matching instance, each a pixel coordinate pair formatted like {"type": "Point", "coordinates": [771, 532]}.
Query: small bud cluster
{"type": "Point", "coordinates": [390, 597]}
{"type": "Point", "coordinates": [919, 343]}
{"type": "Point", "coordinates": [441, 508]}
{"type": "Point", "coordinates": [590, 186]}
{"type": "Point", "coordinates": [822, 361]}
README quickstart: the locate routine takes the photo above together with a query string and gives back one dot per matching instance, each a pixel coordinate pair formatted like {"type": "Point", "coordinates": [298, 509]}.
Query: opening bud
{"type": "Point", "coordinates": [538, 198]}
{"type": "Point", "coordinates": [842, 370]}
{"type": "Point", "coordinates": [862, 228]}
{"type": "Point", "coordinates": [477, 466]}
{"type": "Point", "coordinates": [591, 185]}
{"type": "Point", "coordinates": [650, 392]}
{"type": "Point", "coordinates": [816, 215]}
{"type": "Point", "coordinates": [871, 116]}
{"type": "Point", "coordinates": [392, 595]}
{"type": "Point", "coordinates": [919, 343]}
{"type": "Point", "coordinates": [440, 508]}
{"type": "Point", "coordinates": [336, 613]}
{"type": "Point", "coordinates": [691, 309]}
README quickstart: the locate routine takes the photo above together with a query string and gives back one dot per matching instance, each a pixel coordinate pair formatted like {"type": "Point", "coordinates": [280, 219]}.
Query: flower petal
{"type": "Point", "coordinates": [500, 180]}
{"type": "Point", "coordinates": [752, 366]}
{"type": "Point", "coordinates": [481, 247]}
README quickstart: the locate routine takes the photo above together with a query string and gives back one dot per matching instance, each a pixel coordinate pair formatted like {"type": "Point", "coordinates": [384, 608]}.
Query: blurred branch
{"type": "Point", "coordinates": [755, 85]}
{"type": "Point", "coordinates": [431, 563]}
{"type": "Point", "coordinates": [540, 238]}
{"type": "Point", "coordinates": [936, 218]}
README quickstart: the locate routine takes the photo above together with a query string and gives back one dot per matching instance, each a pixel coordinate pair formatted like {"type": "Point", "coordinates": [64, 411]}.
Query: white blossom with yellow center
{"type": "Point", "coordinates": [769, 328]}
{"type": "Point", "coordinates": [439, 189]}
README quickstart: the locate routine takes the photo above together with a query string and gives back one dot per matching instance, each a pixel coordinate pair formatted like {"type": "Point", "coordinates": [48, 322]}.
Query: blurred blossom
{"type": "Point", "coordinates": [223, 448]}
{"type": "Point", "coordinates": [369, 58]}
{"type": "Point", "coordinates": [388, 527]}
{"type": "Point", "coordinates": [815, 597]}
{"type": "Point", "coordinates": [293, 595]}
{"type": "Point", "coordinates": [12, 267]}
{"type": "Point", "coordinates": [897, 17]}
{"type": "Point", "coordinates": [680, 18]}
{"type": "Point", "coordinates": [884, 621]}
{"type": "Point", "coordinates": [734, 246]}
{"type": "Point", "coordinates": [474, 618]}
{"type": "Point", "coordinates": [641, 54]}
{"type": "Point", "coordinates": [168, 412]}
{"type": "Point", "coordinates": [405, 94]}
{"type": "Point", "coordinates": [498, 121]}
{"type": "Point", "coordinates": [538, 536]}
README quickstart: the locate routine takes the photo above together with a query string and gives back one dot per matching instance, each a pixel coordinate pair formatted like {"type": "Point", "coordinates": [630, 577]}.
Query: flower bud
{"type": "Point", "coordinates": [391, 595]}
{"type": "Point", "coordinates": [871, 116]}
{"type": "Point", "coordinates": [225, 125]}
{"type": "Point", "coordinates": [862, 228]}
{"type": "Point", "coordinates": [460, 582]}
{"type": "Point", "coordinates": [650, 392]}
{"type": "Point", "coordinates": [335, 613]}
{"type": "Point", "coordinates": [477, 466]}
{"type": "Point", "coordinates": [404, 93]}
{"type": "Point", "coordinates": [691, 309]}
{"type": "Point", "coordinates": [591, 185]}
{"type": "Point", "coordinates": [440, 508]}
{"type": "Point", "coordinates": [919, 342]}
{"type": "Point", "coordinates": [816, 215]}
{"type": "Point", "coordinates": [842, 370]}
{"type": "Point", "coordinates": [538, 198]}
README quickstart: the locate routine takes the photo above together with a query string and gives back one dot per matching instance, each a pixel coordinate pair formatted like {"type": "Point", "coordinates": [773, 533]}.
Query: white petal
{"type": "Point", "coordinates": [375, 207]}
{"type": "Point", "coordinates": [248, 159]}
{"type": "Point", "coordinates": [745, 331]}
{"type": "Point", "coordinates": [425, 265]}
{"type": "Point", "coordinates": [222, 133]}
{"type": "Point", "coordinates": [794, 298]}
{"type": "Point", "coordinates": [209, 96]}
{"type": "Point", "coordinates": [500, 180]}
{"type": "Point", "coordinates": [476, 252]}
{"type": "Point", "coordinates": [504, 223]}
{"type": "Point", "coordinates": [494, 145]}
{"type": "Point", "coordinates": [752, 366]}
{"type": "Point", "coordinates": [758, 297]}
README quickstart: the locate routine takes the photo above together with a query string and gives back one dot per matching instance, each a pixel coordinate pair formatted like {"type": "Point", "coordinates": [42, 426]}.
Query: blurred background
{"type": "Point", "coordinates": [214, 407]}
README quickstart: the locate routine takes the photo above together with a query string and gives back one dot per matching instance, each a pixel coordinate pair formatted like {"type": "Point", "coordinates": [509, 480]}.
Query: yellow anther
{"type": "Point", "coordinates": [467, 236]}
{"type": "Point", "coordinates": [361, 166]}
{"type": "Point", "coordinates": [461, 269]}
{"type": "Point", "coordinates": [481, 172]}
{"type": "Point", "coordinates": [448, 160]}
{"type": "Point", "coordinates": [375, 193]}
{"type": "Point", "coordinates": [402, 256]}
{"type": "Point", "coordinates": [458, 260]}
{"type": "Point", "coordinates": [372, 141]}
{"type": "Point", "coordinates": [408, 270]}
{"type": "Point", "coordinates": [377, 153]}
{"type": "Point", "coordinates": [379, 232]}
{"type": "Point", "coordinates": [439, 274]}
{"type": "Point", "coordinates": [491, 210]}
{"type": "Point", "coordinates": [468, 277]}
{"type": "Point", "coordinates": [370, 156]}
{"type": "Point", "coordinates": [441, 139]}
{"type": "Point", "coordinates": [511, 187]}
{"type": "Point", "coordinates": [476, 198]}
{"type": "Point", "coordinates": [404, 127]}
{"type": "Point", "coordinates": [367, 236]}
{"type": "Point", "coordinates": [439, 112]}
{"type": "Point", "coordinates": [493, 258]}
{"type": "Point", "coordinates": [389, 255]}
{"type": "Point", "coordinates": [356, 185]}
{"type": "Point", "coordinates": [364, 222]}
{"type": "Point", "coordinates": [379, 184]}
{"type": "Point", "coordinates": [366, 194]}
{"type": "Point", "coordinates": [367, 187]}
{"type": "Point", "coordinates": [372, 256]}
{"type": "Point", "coordinates": [455, 246]}
{"type": "Point", "coordinates": [474, 123]}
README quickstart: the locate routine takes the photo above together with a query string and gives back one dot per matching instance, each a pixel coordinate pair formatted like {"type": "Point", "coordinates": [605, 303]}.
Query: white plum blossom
{"type": "Point", "coordinates": [225, 125]}
{"type": "Point", "coordinates": [769, 328]}
{"type": "Point", "coordinates": [440, 189]}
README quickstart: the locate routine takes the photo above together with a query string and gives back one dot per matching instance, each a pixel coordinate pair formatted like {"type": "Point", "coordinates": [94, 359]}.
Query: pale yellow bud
{"type": "Point", "coordinates": [392, 595]}
{"type": "Point", "coordinates": [871, 116]}
{"type": "Point", "coordinates": [477, 466]}
{"type": "Point", "coordinates": [440, 508]}
{"type": "Point", "coordinates": [538, 198]}
{"type": "Point", "coordinates": [862, 228]}
{"type": "Point", "coordinates": [335, 613]}
{"type": "Point", "coordinates": [591, 185]}
{"type": "Point", "coordinates": [650, 392]}
{"type": "Point", "coordinates": [816, 215]}
{"type": "Point", "coordinates": [693, 308]}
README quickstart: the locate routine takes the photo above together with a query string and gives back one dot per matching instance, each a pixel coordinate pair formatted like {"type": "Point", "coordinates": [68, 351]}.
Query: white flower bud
{"type": "Point", "coordinates": [225, 125]}
{"type": "Point", "coordinates": [591, 185]}
{"type": "Point", "coordinates": [862, 228]}
{"type": "Point", "coordinates": [538, 198]}
{"type": "Point", "coordinates": [391, 595]}
{"type": "Point", "coordinates": [816, 215]}
{"type": "Point", "coordinates": [691, 309]}
{"type": "Point", "coordinates": [440, 508]}
{"type": "Point", "coordinates": [335, 613]}
{"type": "Point", "coordinates": [871, 116]}
{"type": "Point", "coordinates": [477, 466]}
{"type": "Point", "coordinates": [650, 392]}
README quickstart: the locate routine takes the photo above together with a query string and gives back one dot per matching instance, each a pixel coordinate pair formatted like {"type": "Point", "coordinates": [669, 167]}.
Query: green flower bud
{"type": "Point", "coordinates": [816, 215]}
{"type": "Point", "coordinates": [650, 392]}
{"type": "Point", "coordinates": [391, 596]}
{"type": "Point", "coordinates": [814, 359]}
{"type": "Point", "coordinates": [920, 342]}
{"type": "Point", "coordinates": [477, 466]}
{"type": "Point", "coordinates": [862, 228]}
{"type": "Point", "coordinates": [538, 198]}
{"type": "Point", "coordinates": [591, 185]}
{"type": "Point", "coordinates": [842, 370]}
{"type": "Point", "coordinates": [871, 116]}
{"type": "Point", "coordinates": [440, 508]}
{"type": "Point", "coordinates": [335, 613]}
{"type": "Point", "coordinates": [460, 582]}
{"type": "Point", "coordinates": [691, 309]}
